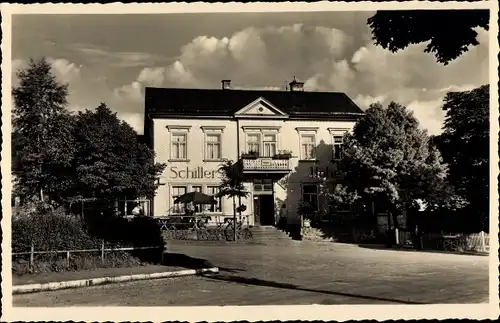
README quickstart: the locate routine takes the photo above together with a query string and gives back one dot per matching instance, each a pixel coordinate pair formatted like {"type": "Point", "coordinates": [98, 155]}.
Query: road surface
{"type": "Point", "coordinates": [293, 273]}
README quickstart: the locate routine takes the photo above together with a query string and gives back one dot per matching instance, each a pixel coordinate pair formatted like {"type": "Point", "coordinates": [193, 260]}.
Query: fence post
{"type": "Point", "coordinates": [67, 258]}
{"type": "Point", "coordinates": [102, 252]}
{"type": "Point", "coordinates": [32, 254]}
{"type": "Point", "coordinates": [483, 242]}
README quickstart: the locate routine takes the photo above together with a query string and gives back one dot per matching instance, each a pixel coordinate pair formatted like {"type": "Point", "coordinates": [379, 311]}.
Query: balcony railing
{"type": "Point", "coordinates": [266, 164]}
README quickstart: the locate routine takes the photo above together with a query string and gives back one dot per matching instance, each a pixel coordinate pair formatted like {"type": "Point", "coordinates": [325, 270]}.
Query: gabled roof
{"type": "Point", "coordinates": [172, 102]}
{"type": "Point", "coordinates": [260, 108]}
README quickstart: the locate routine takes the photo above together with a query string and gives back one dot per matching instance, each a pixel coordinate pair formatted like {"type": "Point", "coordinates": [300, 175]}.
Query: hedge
{"type": "Point", "coordinates": [207, 234]}
{"type": "Point", "coordinates": [50, 230]}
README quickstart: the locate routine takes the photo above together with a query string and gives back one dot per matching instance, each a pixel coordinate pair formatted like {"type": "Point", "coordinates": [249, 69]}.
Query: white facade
{"type": "Point", "coordinates": [193, 149]}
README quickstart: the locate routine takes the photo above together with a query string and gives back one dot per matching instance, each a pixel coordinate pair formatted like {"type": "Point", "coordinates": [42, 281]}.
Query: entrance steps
{"type": "Point", "coordinates": [268, 233]}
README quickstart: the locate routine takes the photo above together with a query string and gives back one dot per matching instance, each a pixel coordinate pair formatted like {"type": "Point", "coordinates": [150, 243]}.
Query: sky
{"type": "Point", "coordinates": [111, 58]}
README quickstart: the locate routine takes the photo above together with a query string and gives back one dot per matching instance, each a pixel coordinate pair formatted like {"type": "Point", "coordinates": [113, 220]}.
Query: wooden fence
{"type": "Point", "coordinates": [448, 241]}
{"type": "Point", "coordinates": [68, 253]}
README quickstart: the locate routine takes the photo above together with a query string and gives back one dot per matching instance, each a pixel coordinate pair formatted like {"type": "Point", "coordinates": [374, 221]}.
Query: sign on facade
{"type": "Point", "coordinates": [187, 172]}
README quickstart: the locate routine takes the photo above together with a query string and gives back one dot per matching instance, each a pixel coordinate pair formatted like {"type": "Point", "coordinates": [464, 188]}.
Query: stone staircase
{"type": "Point", "coordinates": [268, 234]}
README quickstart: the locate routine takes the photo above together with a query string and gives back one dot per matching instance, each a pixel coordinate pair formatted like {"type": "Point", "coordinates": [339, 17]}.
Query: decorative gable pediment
{"type": "Point", "coordinates": [260, 108]}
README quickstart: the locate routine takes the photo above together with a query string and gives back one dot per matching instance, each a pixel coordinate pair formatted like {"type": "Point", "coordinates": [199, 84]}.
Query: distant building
{"type": "Point", "coordinates": [192, 130]}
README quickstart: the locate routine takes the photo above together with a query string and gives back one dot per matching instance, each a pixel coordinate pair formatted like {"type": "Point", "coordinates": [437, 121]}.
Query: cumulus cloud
{"type": "Point", "coordinates": [130, 92]}
{"type": "Point", "coordinates": [134, 92]}
{"type": "Point", "coordinates": [135, 120]}
{"type": "Point", "coordinates": [429, 113]}
{"type": "Point", "coordinates": [152, 76]}
{"type": "Point", "coordinates": [64, 70]}
{"type": "Point", "coordinates": [128, 99]}
{"type": "Point", "coordinates": [325, 60]}
{"type": "Point", "coordinates": [257, 57]}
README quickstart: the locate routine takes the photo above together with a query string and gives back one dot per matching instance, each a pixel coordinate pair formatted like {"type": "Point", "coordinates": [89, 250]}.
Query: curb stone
{"type": "Point", "coordinates": [33, 288]}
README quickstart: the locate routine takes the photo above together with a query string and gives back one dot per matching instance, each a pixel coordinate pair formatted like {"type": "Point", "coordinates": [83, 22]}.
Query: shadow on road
{"type": "Point", "coordinates": [260, 282]}
{"type": "Point", "coordinates": [185, 261]}
{"type": "Point", "coordinates": [181, 260]}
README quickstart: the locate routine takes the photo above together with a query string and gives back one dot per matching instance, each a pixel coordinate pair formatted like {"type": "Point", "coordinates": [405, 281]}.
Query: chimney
{"type": "Point", "coordinates": [226, 84]}
{"type": "Point", "coordinates": [296, 86]}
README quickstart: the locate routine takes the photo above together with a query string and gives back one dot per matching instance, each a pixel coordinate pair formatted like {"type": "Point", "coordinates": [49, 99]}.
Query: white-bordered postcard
{"type": "Point", "coordinates": [260, 161]}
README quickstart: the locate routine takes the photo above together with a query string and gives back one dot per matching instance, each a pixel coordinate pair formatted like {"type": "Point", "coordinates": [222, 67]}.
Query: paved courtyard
{"type": "Point", "coordinates": [293, 273]}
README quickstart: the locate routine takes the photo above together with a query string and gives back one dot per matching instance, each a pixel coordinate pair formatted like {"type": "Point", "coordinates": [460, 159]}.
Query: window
{"type": "Point", "coordinates": [176, 192]}
{"type": "Point", "coordinates": [270, 145]}
{"type": "Point", "coordinates": [263, 185]}
{"type": "Point", "coordinates": [253, 142]}
{"type": "Point", "coordinates": [197, 207]}
{"type": "Point", "coordinates": [213, 146]}
{"type": "Point", "coordinates": [310, 195]}
{"type": "Point", "coordinates": [307, 146]}
{"type": "Point", "coordinates": [179, 146]}
{"type": "Point", "coordinates": [338, 147]}
{"type": "Point", "coordinates": [212, 190]}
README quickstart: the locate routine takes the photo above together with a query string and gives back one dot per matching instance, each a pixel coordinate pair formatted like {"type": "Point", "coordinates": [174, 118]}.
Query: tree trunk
{"type": "Point", "coordinates": [41, 195]}
{"type": "Point", "coordinates": [239, 205]}
{"type": "Point", "coordinates": [394, 215]}
{"type": "Point", "coordinates": [234, 218]}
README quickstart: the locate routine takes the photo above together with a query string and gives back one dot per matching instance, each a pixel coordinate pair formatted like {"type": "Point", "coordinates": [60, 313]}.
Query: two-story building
{"type": "Point", "coordinates": [281, 138]}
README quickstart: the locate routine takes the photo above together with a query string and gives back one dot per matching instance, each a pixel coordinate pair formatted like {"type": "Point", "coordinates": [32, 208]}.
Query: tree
{"type": "Point", "coordinates": [449, 32]}
{"type": "Point", "coordinates": [231, 185]}
{"type": "Point", "coordinates": [464, 145]}
{"type": "Point", "coordinates": [110, 162]}
{"type": "Point", "coordinates": [42, 144]}
{"type": "Point", "coordinates": [389, 159]}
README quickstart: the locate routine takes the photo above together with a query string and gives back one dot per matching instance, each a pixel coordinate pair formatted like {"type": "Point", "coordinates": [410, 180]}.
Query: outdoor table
{"type": "Point", "coordinates": [200, 216]}
{"type": "Point", "coordinates": [164, 223]}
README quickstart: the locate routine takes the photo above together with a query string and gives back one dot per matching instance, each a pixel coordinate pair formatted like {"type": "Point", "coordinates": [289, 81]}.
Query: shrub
{"type": "Point", "coordinates": [145, 231]}
{"type": "Point", "coordinates": [135, 232]}
{"type": "Point", "coordinates": [208, 234]}
{"type": "Point", "coordinates": [50, 230]}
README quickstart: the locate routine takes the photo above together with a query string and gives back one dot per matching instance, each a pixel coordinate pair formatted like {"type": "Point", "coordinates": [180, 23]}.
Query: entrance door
{"type": "Point", "coordinates": [263, 202]}
{"type": "Point", "coordinates": [256, 209]}
{"type": "Point", "coordinates": [266, 212]}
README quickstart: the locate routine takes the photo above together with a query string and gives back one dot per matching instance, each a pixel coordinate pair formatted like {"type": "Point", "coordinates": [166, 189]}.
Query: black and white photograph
{"type": "Point", "coordinates": [250, 161]}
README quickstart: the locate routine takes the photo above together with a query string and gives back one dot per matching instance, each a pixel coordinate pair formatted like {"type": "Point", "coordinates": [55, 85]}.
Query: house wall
{"type": "Point", "coordinates": [300, 174]}
{"type": "Point", "coordinates": [180, 173]}
{"type": "Point", "coordinates": [233, 134]}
